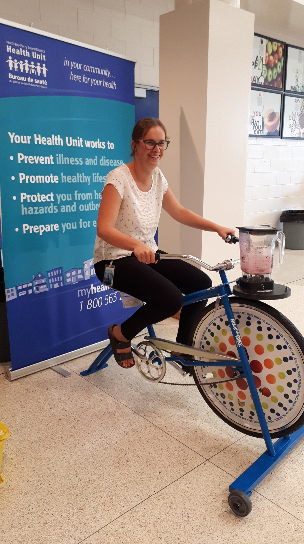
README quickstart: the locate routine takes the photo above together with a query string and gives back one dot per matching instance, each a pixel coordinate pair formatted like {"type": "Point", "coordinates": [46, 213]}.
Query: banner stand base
{"type": "Point", "coordinates": [49, 363]}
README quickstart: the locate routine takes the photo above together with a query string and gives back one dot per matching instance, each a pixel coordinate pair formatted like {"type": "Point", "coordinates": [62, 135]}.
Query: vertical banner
{"type": "Point", "coordinates": [66, 117]}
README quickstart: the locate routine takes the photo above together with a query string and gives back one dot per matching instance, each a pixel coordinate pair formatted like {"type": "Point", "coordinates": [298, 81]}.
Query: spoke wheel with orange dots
{"type": "Point", "coordinates": [275, 350]}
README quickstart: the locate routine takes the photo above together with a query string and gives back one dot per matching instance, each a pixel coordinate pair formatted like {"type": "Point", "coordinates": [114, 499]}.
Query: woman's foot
{"type": "Point", "coordinates": [117, 340]}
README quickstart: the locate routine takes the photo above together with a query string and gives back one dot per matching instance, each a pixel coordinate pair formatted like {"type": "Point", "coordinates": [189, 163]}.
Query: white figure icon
{"type": "Point", "coordinates": [38, 68]}
{"type": "Point", "coordinates": [32, 67]}
{"type": "Point", "coordinates": [16, 65]}
{"type": "Point", "coordinates": [26, 66]}
{"type": "Point", "coordinates": [21, 64]}
{"type": "Point", "coordinates": [10, 62]}
{"type": "Point", "coordinates": [44, 70]}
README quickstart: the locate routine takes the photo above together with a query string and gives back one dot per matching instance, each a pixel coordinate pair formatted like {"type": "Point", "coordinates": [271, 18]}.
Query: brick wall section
{"type": "Point", "coordinates": [127, 27]}
{"type": "Point", "coordinates": [275, 179]}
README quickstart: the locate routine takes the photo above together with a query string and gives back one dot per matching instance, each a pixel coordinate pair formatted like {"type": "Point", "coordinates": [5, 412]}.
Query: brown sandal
{"type": "Point", "coordinates": [115, 345]}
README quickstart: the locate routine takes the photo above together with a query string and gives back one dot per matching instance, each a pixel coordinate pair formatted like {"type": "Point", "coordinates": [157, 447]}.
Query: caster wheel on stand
{"type": "Point", "coordinates": [239, 503]}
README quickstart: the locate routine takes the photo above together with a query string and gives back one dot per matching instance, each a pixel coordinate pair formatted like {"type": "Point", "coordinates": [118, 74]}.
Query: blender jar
{"type": "Point", "coordinates": [257, 248]}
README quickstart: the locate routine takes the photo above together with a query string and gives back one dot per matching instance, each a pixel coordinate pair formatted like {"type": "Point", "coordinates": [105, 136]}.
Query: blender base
{"type": "Point", "coordinates": [278, 291]}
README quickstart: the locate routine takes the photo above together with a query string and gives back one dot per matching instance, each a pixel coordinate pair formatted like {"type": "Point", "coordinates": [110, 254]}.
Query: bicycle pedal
{"type": "Point", "coordinates": [207, 376]}
{"type": "Point", "coordinates": [183, 370]}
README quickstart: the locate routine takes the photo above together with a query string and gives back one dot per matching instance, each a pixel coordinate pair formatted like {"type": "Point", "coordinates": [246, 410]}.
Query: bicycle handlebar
{"type": "Point", "coordinates": [225, 265]}
{"type": "Point", "coordinates": [230, 239]}
{"type": "Point", "coordinates": [228, 264]}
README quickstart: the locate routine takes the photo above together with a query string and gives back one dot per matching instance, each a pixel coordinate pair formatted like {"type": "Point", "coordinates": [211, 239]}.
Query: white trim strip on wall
{"type": "Point", "coordinates": [147, 87]}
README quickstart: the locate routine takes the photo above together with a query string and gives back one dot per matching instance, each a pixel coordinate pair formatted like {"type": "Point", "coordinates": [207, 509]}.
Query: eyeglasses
{"type": "Point", "coordinates": [151, 144]}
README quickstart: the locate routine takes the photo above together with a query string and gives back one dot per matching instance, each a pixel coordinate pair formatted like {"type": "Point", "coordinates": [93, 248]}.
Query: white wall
{"type": "Point", "coordinates": [127, 27]}
{"type": "Point", "coordinates": [275, 179]}
{"type": "Point", "coordinates": [281, 19]}
{"type": "Point", "coordinates": [131, 28]}
{"type": "Point", "coordinates": [275, 170]}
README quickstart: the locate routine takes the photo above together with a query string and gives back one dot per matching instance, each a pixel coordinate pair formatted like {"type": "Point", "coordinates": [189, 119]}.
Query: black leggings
{"type": "Point", "coordinates": [161, 286]}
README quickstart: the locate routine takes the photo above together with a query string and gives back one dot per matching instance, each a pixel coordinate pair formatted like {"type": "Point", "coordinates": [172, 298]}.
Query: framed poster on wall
{"type": "Point", "coordinates": [264, 114]}
{"type": "Point", "coordinates": [295, 70]}
{"type": "Point", "coordinates": [268, 62]}
{"type": "Point", "coordinates": [293, 118]}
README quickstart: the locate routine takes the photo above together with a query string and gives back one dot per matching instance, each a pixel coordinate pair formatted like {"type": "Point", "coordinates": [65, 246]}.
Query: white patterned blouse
{"type": "Point", "coordinates": [139, 211]}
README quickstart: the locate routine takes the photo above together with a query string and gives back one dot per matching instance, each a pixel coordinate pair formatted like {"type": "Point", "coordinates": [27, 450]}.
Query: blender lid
{"type": "Point", "coordinates": [259, 230]}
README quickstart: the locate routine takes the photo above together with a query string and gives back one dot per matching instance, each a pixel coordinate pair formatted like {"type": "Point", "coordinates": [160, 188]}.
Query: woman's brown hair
{"type": "Point", "coordinates": [143, 126]}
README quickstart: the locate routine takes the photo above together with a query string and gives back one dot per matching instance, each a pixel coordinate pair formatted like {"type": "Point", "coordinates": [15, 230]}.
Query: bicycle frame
{"type": "Point", "coordinates": [222, 291]}
{"type": "Point", "coordinates": [275, 452]}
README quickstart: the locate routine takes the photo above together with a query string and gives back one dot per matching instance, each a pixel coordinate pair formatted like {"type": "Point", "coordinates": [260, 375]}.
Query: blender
{"type": "Point", "coordinates": [257, 246]}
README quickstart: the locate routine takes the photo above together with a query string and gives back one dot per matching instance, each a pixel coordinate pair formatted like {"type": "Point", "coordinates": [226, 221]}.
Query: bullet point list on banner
{"type": "Point", "coordinates": [13, 177]}
{"type": "Point", "coordinates": [16, 230]}
{"type": "Point", "coordinates": [12, 158]}
{"type": "Point", "coordinates": [14, 197]}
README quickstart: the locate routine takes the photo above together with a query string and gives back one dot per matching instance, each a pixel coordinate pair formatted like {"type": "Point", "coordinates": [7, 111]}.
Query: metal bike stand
{"type": "Point", "coordinates": [242, 487]}
{"type": "Point", "coordinates": [100, 361]}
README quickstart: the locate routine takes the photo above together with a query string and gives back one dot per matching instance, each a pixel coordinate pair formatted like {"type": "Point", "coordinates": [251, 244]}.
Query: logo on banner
{"type": "Point", "coordinates": [26, 65]}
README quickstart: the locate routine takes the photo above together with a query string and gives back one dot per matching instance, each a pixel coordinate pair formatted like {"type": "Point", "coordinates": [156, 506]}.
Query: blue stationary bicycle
{"type": "Point", "coordinates": [247, 359]}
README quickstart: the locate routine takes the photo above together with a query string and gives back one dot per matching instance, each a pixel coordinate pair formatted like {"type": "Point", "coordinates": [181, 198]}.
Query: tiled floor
{"type": "Point", "coordinates": [112, 459]}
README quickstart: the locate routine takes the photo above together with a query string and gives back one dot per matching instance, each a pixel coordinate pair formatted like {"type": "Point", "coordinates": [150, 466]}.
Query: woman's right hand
{"type": "Point", "coordinates": [144, 253]}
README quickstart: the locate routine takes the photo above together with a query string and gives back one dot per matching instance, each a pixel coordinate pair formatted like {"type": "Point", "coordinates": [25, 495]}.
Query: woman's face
{"type": "Point", "coordinates": [149, 158]}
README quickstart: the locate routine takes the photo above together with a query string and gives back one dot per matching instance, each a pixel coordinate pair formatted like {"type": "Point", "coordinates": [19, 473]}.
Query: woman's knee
{"type": "Point", "coordinates": [202, 282]}
{"type": "Point", "coordinates": [208, 283]}
{"type": "Point", "coordinates": [173, 302]}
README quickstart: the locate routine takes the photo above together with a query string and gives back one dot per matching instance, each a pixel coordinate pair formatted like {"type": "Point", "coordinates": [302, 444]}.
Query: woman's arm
{"type": "Point", "coordinates": [191, 219]}
{"type": "Point", "coordinates": [107, 215]}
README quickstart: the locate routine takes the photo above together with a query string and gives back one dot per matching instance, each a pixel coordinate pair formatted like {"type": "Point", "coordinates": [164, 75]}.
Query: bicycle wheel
{"type": "Point", "coordinates": [275, 350]}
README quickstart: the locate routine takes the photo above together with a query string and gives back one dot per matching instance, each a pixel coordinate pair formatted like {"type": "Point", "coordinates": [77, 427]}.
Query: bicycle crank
{"type": "Point", "coordinates": [149, 361]}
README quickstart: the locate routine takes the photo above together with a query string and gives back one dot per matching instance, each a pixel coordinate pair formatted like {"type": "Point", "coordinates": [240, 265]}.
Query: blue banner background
{"type": "Point", "coordinates": [70, 70]}
{"type": "Point", "coordinates": [59, 139]}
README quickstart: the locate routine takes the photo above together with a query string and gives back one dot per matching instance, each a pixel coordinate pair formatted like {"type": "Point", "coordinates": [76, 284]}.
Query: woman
{"type": "Point", "coordinates": [129, 212]}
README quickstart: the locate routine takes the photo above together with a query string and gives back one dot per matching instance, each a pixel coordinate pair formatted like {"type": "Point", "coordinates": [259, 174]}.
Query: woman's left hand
{"type": "Point", "coordinates": [223, 232]}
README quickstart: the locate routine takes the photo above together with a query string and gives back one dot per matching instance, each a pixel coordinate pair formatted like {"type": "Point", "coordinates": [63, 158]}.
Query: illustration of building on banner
{"type": "Point", "coordinates": [10, 293]}
{"type": "Point", "coordinates": [74, 275]}
{"type": "Point", "coordinates": [89, 269]}
{"type": "Point", "coordinates": [55, 278]}
{"type": "Point", "coordinates": [24, 289]}
{"type": "Point", "coordinates": [40, 283]}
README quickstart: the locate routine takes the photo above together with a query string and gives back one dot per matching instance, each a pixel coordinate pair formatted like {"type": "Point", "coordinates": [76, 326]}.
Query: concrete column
{"type": "Point", "coordinates": [205, 78]}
